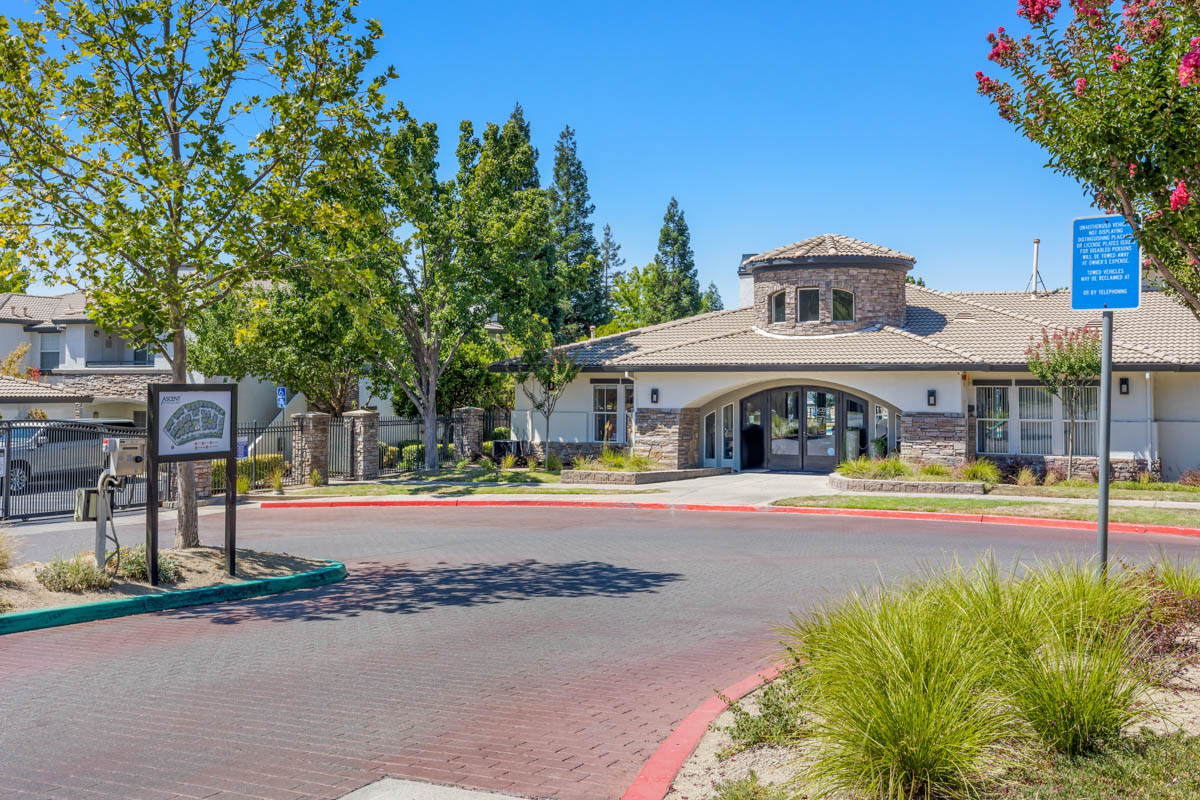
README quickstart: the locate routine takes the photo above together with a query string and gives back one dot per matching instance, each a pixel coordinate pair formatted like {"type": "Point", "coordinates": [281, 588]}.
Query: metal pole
{"type": "Point", "coordinates": [7, 465]}
{"type": "Point", "coordinates": [152, 484]}
{"type": "Point", "coordinates": [231, 487]}
{"type": "Point", "coordinates": [1103, 444]}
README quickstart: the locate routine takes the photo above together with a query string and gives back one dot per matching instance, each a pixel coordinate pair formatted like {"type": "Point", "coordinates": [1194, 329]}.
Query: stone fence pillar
{"type": "Point", "coordinates": [310, 445]}
{"type": "Point", "coordinates": [203, 478]}
{"type": "Point", "coordinates": [364, 432]}
{"type": "Point", "coordinates": [468, 432]}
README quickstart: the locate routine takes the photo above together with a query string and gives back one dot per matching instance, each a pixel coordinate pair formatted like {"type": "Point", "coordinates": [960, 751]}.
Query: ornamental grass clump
{"type": "Point", "coordinates": [980, 470]}
{"type": "Point", "coordinates": [78, 574]}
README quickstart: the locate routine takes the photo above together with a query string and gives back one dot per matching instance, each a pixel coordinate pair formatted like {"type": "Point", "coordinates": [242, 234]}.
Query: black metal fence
{"type": "Point", "coordinates": [401, 442]}
{"type": "Point", "coordinates": [497, 418]}
{"type": "Point", "coordinates": [268, 456]}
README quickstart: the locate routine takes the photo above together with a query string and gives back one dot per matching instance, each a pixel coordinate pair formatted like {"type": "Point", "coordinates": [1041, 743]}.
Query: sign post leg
{"type": "Point", "coordinates": [151, 517]}
{"type": "Point", "coordinates": [1103, 445]}
{"type": "Point", "coordinates": [231, 477]}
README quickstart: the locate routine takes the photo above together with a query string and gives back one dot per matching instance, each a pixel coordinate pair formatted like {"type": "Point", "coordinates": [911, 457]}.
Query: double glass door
{"type": "Point", "coordinates": [804, 429]}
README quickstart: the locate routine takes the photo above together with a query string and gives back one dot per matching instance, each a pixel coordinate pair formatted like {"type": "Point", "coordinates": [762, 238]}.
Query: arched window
{"type": "Point", "coordinates": [779, 307]}
{"type": "Point", "coordinates": [808, 305]}
{"type": "Point", "coordinates": [843, 305]}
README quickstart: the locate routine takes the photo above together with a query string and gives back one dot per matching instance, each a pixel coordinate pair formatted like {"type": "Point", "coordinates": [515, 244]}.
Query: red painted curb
{"type": "Point", "coordinates": [936, 516]}
{"type": "Point", "coordinates": [656, 776]}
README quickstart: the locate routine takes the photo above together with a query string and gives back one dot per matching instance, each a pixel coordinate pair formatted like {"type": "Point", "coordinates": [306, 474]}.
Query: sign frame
{"type": "Point", "coordinates": [153, 459]}
{"type": "Point", "coordinates": [1077, 267]}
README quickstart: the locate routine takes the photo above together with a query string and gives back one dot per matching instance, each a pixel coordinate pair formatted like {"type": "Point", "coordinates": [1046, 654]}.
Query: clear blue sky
{"type": "Point", "coordinates": [770, 122]}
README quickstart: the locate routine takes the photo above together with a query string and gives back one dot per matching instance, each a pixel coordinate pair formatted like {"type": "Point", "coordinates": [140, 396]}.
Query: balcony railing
{"type": "Point", "coordinates": [130, 363]}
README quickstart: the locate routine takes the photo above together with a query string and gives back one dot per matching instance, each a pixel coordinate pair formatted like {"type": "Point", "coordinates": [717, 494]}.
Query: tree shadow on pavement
{"type": "Point", "coordinates": [397, 588]}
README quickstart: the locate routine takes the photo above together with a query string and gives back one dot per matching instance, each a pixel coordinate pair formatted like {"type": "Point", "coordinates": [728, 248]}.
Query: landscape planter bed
{"type": "Point", "coordinates": [612, 478]}
{"type": "Point", "coordinates": [842, 483]}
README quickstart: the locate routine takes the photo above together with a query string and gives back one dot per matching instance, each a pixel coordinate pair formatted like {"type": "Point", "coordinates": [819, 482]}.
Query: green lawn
{"type": "Point", "coordinates": [381, 489]}
{"type": "Point", "coordinates": [983, 505]}
{"type": "Point", "coordinates": [477, 474]}
{"type": "Point", "coordinates": [1137, 769]}
{"type": "Point", "coordinates": [1119, 491]}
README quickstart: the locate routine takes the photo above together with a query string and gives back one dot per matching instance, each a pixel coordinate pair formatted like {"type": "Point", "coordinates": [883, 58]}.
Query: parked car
{"type": "Point", "coordinates": [59, 450]}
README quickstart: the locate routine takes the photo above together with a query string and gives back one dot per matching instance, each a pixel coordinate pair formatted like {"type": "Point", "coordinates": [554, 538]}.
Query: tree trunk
{"type": "Point", "coordinates": [429, 413]}
{"type": "Point", "coordinates": [187, 532]}
{"type": "Point", "coordinates": [548, 443]}
{"type": "Point", "coordinates": [1071, 442]}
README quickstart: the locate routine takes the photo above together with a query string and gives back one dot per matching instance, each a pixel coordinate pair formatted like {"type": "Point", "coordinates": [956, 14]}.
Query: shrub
{"type": "Point", "coordinates": [1181, 578]}
{"type": "Point", "coordinates": [243, 484]}
{"type": "Point", "coordinates": [1190, 477]}
{"type": "Point", "coordinates": [617, 461]}
{"type": "Point", "coordinates": [501, 432]}
{"type": "Point", "coordinates": [412, 456]}
{"type": "Point", "coordinates": [861, 467]}
{"type": "Point", "coordinates": [1145, 478]}
{"type": "Point", "coordinates": [132, 565]}
{"type": "Point", "coordinates": [553, 463]}
{"type": "Point", "coordinates": [258, 468]}
{"type": "Point", "coordinates": [1053, 476]}
{"type": "Point", "coordinates": [1027, 477]}
{"type": "Point", "coordinates": [78, 574]}
{"type": "Point", "coordinates": [509, 461]}
{"type": "Point", "coordinates": [935, 471]}
{"type": "Point", "coordinates": [486, 447]}
{"type": "Point", "coordinates": [778, 720]}
{"type": "Point", "coordinates": [980, 470]}
{"type": "Point", "coordinates": [8, 551]}
{"type": "Point", "coordinates": [1078, 483]}
{"type": "Point", "coordinates": [316, 478]}
{"type": "Point", "coordinates": [277, 480]}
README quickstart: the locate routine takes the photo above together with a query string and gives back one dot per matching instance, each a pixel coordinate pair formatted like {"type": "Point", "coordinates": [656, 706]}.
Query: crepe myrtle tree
{"type": "Point", "coordinates": [1112, 94]}
{"type": "Point", "coordinates": [152, 152]}
{"type": "Point", "coordinates": [426, 263]}
{"type": "Point", "coordinates": [1065, 362]}
{"type": "Point", "coordinates": [544, 376]}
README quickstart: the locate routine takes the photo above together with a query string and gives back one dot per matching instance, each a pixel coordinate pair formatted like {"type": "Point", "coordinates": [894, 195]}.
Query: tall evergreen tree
{"type": "Point", "coordinates": [578, 268]}
{"type": "Point", "coordinates": [680, 295]}
{"type": "Point", "coordinates": [611, 261]}
{"type": "Point", "coordinates": [711, 301]}
{"type": "Point", "coordinates": [534, 180]}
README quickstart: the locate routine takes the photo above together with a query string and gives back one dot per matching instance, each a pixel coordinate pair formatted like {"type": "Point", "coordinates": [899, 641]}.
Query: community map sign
{"type": "Point", "coordinates": [1106, 264]}
{"type": "Point", "coordinates": [193, 423]}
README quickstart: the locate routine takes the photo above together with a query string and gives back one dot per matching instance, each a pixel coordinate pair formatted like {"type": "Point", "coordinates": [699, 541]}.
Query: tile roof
{"type": "Point", "coordinates": [32, 309]}
{"type": "Point", "coordinates": [944, 330]}
{"type": "Point", "coordinates": [17, 390]}
{"type": "Point", "coordinates": [829, 245]}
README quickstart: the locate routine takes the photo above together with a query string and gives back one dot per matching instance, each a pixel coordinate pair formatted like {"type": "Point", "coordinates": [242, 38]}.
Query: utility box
{"type": "Point", "coordinates": [128, 455]}
{"type": "Point", "coordinates": [85, 504]}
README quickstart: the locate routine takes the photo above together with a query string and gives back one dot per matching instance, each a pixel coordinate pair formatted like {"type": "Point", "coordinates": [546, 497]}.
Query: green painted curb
{"type": "Point", "coordinates": [17, 621]}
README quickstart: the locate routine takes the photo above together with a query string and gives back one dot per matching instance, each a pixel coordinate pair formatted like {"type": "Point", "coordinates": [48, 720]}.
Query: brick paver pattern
{"type": "Point", "coordinates": [543, 653]}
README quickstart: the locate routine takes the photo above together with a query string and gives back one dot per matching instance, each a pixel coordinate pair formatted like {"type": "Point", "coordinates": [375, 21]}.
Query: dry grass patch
{"type": "Point", "coordinates": [200, 566]}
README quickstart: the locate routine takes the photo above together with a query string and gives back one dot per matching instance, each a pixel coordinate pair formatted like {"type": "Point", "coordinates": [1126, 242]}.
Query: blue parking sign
{"type": "Point", "coordinates": [281, 397]}
{"type": "Point", "coordinates": [1106, 264]}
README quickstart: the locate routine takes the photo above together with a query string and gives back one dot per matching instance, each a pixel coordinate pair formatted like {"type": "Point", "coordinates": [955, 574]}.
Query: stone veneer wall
{"type": "Point", "coordinates": [933, 438]}
{"type": "Point", "coordinates": [669, 436]}
{"type": "Point", "coordinates": [365, 458]}
{"type": "Point", "coordinates": [879, 297]}
{"type": "Point", "coordinates": [129, 385]}
{"type": "Point", "coordinates": [571, 450]}
{"type": "Point", "coordinates": [468, 432]}
{"type": "Point", "coordinates": [310, 445]}
{"type": "Point", "coordinates": [1122, 469]}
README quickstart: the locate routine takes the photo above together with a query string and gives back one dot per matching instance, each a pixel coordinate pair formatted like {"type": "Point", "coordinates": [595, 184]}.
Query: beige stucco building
{"type": "Point", "coordinates": [833, 351]}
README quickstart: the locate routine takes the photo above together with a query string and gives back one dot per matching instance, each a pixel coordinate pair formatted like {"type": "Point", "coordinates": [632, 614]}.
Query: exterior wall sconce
{"type": "Point", "coordinates": [654, 395]}
{"type": "Point", "coordinates": [1124, 385]}
{"type": "Point", "coordinates": [931, 397]}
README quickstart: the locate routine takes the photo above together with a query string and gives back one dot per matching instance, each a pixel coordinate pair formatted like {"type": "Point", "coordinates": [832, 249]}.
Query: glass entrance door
{"type": "Point", "coordinates": [820, 429]}
{"type": "Point", "coordinates": [785, 439]}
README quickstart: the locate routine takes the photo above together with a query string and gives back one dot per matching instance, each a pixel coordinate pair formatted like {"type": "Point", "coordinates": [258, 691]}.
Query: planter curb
{"type": "Point", "coordinates": [655, 778]}
{"type": "Point", "coordinates": [33, 619]}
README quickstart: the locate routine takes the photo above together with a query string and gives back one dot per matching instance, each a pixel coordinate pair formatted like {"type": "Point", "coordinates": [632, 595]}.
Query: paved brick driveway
{"type": "Point", "coordinates": [535, 651]}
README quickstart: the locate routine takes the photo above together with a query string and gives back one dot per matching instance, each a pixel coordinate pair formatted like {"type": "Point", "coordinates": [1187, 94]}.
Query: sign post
{"type": "Point", "coordinates": [191, 422]}
{"type": "Point", "coordinates": [1106, 273]}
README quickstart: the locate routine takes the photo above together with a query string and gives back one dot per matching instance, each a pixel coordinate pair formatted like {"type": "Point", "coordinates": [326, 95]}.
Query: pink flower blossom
{"type": "Point", "coordinates": [1037, 11]}
{"type": "Point", "coordinates": [1002, 50]}
{"type": "Point", "coordinates": [1080, 86]}
{"type": "Point", "coordinates": [1189, 67]}
{"type": "Point", "coordinates": [1132, 169]}
{"type": "Point", "coordinates": [1091, 15]}
{"type": "Point", "coordinates": [1120, 58]}
{"type": "Point", "coordinates": [1180, 197]}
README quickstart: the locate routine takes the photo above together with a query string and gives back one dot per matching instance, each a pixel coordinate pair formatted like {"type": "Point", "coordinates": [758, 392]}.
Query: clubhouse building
{"type": "Point", "coordinates": [833, 355]}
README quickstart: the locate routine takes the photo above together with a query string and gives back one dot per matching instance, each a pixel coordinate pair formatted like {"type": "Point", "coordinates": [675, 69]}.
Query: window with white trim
{"type": "Point", "coordinates": [628, 413]}
{"type": "Point", "coordinates": [710, 435]}
{"type": "Point", "coordinates": [808, 305]}
{"type": "Point", "coordinates": [843, 305]}
{"type": "Point", "coordinates": [1087, 411]}
{"type": "Point", "coordinates": [727, 432]}
{"type": "Point", "coordinates": [991, 419]}
{"type": "Point", "coordinates": [50, 351]}
{"type": "Point", "coordinates": [779, 307]}
{"type": "Point", "coordinates": [604, 412]}
{"type": "Point", "coordinates": [1036, 407]}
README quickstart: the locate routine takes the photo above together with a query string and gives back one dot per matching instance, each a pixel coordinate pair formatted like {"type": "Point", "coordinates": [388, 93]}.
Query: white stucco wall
{"type": "Point", "coordinates": [1177, 407]}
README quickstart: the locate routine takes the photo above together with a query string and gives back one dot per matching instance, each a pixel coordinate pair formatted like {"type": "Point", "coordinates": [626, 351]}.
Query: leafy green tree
{"type": "Point", "coordinates": [466, 381]}
{"type": "Point", "coordinates": [155, 151]}
{"type": "Point", "coordinates": [611, 263]}
{"type": "Point", "coordinates": [578, 267]}
{"type": "Point", "coordinates": [914, 281]}
{"type": "Point", "coordinates": [292, 334]}
{"type": "Point", "coordinates": [1113, 96]}
{"type": "Point", "coordinates": [1066, 362]}
{"type": "Point", "coordinates": [546, 375]}
{"type": "Point", "coordinates": [425, 263]}
{"type": "Point", "coordinates": [637, 298]}
{"type": "Point", "coordinates": [711, 300]}
{"type": "Point", "coordinates": [678, 285]}
{"type": "Point", "coordinates": [533, 180]}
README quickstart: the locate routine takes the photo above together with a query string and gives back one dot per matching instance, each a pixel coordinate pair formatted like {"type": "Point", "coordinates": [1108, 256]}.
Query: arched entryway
{"type": "Point", "coordinates": [802, 428]}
